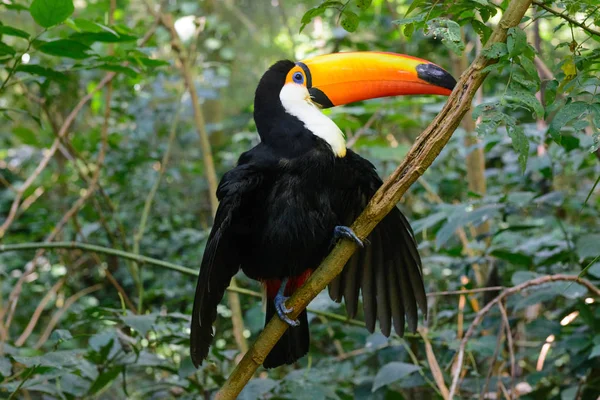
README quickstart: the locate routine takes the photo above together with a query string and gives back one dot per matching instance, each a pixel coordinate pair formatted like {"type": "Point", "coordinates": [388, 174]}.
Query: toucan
{"type": "Point", "coordinates": [292, 196]}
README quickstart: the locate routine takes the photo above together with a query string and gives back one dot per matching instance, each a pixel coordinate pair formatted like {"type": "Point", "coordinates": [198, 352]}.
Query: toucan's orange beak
{"type": "Point", "coordinates": [342, 78]}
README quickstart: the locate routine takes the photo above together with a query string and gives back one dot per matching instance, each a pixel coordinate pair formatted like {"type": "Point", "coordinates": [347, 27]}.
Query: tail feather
{"type": "Point", "coordinates": [293, 344]}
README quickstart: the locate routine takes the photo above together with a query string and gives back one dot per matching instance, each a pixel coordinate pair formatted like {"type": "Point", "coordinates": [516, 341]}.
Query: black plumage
{"type": "Point", "coordinates": [277, 213]}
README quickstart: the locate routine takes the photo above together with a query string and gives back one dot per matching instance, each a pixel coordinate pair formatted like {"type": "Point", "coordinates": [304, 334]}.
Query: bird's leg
{"type": "Point", "coordinates": [280, 307]}
{"type": "Point", "coordinates": [343, 232]}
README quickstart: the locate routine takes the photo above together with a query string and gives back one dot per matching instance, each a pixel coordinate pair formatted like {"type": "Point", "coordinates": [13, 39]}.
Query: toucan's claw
{"type": "Point", "coordinates": [280, 307]}
{"type": "Point", "coordinates": [343, 232]}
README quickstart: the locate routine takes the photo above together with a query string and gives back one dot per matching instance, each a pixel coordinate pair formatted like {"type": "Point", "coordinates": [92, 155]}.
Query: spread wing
{"type": "Point", "coordinates": [222, 255]}
{"type": "Point", "coordinates": [388, 270]}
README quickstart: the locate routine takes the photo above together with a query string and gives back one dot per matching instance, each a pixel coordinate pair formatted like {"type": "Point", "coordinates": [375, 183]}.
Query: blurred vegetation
{"type": "Point", "coordinates": [100, 145]}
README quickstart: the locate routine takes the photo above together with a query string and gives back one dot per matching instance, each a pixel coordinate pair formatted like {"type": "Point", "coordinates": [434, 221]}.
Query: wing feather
{"type": "Point", "coordinates": [389, 272]}
{"type": "Point", "coordinates": [221, 260]}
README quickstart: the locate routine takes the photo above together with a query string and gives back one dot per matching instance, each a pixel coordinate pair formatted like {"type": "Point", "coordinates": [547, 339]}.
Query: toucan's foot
{"type": "Point", "coordinates": [280, 307]}
{"type": "Point", "coordinates": [282, 310]}
{"type": "Point", "coordinates": [343, 232]}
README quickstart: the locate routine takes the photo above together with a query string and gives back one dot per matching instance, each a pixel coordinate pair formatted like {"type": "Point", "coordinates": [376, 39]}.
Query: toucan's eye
{"type": "Point", "coordinates": [298, 78]}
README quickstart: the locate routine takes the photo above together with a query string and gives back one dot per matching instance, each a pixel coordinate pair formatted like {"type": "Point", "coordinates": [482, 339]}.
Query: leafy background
{"type": "Point", "coordinates": [102, 145]}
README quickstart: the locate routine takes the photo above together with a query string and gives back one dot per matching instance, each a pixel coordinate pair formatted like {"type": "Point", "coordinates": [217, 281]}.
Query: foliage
{"type": "Point", "coordinates": [538, 124]}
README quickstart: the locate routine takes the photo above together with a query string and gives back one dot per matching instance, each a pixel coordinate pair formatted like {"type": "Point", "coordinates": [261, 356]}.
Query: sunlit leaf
{"type": "Point", "coordinates": [363, 4]}
{"type": "Point", "coordinates": [48, 13]}
{"type": "Point", "coordinates": [349, 21]}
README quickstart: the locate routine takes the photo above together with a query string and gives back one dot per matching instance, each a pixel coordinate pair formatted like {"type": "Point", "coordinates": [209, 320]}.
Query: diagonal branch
{"type": "Point", "coordinates": [426, 148]}
{"type": "Point", "coordinates": [567, 18]}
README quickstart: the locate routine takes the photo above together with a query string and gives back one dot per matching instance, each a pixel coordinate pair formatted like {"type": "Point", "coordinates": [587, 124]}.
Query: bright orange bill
{"type": "Point", "coordinates": [342, 78]}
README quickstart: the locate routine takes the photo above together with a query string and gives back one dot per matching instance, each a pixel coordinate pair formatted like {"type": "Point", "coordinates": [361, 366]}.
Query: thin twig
{"type": "Point", "coordinates": [506, 293]}
{"type": "Point", "coordinates": [150, 198]}
{"type": "Point", "coordinates": [352, 141]}
{"type": "Point", "coordinates": [38, 311]}
{"type": "Point", "coordinates": [486, 385]}
{"type": "Point", "coordinates": [415, 361]}
{"type": "Point", "coordinates": [434, 366]}
{"type": "Point", "coordinates": [56, 317]}
{"type": "Point", "coordinates": [511, 349]}
{"type": "Point", "coordinates": [466, 291]}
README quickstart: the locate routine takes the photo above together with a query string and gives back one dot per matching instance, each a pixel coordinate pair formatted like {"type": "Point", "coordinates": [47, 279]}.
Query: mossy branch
{"type": "Point", "coordinates": [426, 148]}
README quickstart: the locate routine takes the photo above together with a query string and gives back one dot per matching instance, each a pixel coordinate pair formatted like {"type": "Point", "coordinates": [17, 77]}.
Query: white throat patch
{"type": "Point", "coordinates": [296, 101]}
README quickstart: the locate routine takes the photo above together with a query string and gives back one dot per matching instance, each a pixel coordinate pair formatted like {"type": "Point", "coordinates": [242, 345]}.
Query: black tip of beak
{"type": "Point", "coordinates": [435, 75]}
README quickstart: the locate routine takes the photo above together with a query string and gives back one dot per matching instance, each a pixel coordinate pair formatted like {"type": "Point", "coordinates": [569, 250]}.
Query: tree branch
{"type": "Point", "coordinates": [159, 263]}
{"type": "Point", "coordinates": [426, 148]}
{"type": "Point", "coordinates": [567, 18]}
{"type": "Point", "coordinates": [209, 166]}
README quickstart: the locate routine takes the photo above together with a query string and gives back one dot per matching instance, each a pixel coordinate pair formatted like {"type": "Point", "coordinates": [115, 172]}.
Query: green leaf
{"type": "Point", "coordinates": [465, 215]}
{"type": "Point", "coordinates": [130, 72]}
{"type": "Point", "coordinates": [449, 31]}
{"type": "Point", "coordinates": [10, 31]}
{"type": "Point", "coordinates": [26, 136]}
{"type": "Point", "coordinates": [14, 6]}
{"type": "Point", "coordinates": [414, 5]}
{"type": "Point", "coordinates": [319, 10]}
{"type": "Point", "coordinates": [482, 30]}
{"type": "Point", "coordinates": [104, 37]}
{"type": "Point", "coordinates": [141, 323]}
{"type": "Point", "coordinates": [529, 67]}
{"type": "Point", "coordinates": [104, 379]}
{"type": "Point", "coordinates": [496, 50]}
{"type": "Point", "coordinates": [349, 21]}
{"type": "Point", "coordinates": [519, 143]}
{"type": "Point", "coordinates": [257, 389]}
{"type": "Point", "coordinates": [363, 4]}
{"type": "Point", "coordinates": [66, 48]}
{"type": "Point", "coordinates": [595, 352]}
{"type": "Point", "coordinates": [6, 50]}
{"type": "Point", "coordinates": [512, 257]}
{"type": "Point", "coordinates": [90, 26]}
{"type": "Point", "coordinates": [587, 246]}
{"type": "Point", "coordinates": [516, 41]}
{"type": "Point", "coordinates": [392, 372]}
{"type": "Point", "coordinates": [404, 21]}
{"type": "Point", "coordinates": [5, 367]}
{"type": "Point", "coordinates": [61, 335]}
{"type": "Point", "coordinates": [565, 115]}
{"type": "Point", "coordinates": [594, 270]}
{"type": "Point", "coordinates": [48, 13]}
{"type": "Point", "coordinates": [527, 99]}
{"type": "Point", "coordinates": [49, 73]}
